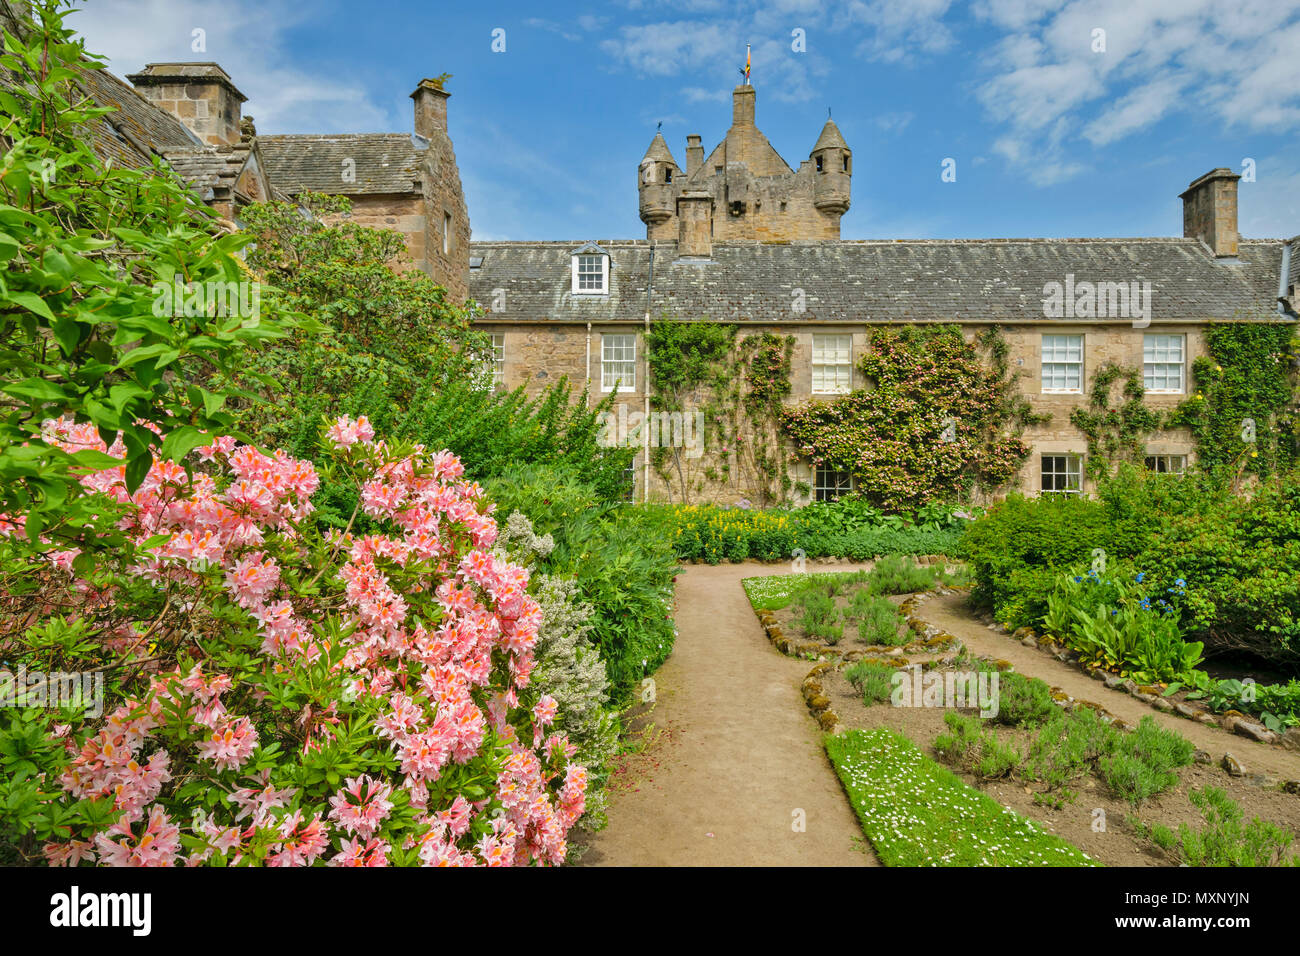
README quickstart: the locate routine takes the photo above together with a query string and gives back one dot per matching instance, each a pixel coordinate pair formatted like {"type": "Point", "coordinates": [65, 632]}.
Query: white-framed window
{"type": "Point", "coordinates": [829, 484]}
{"type": "Point", "coordinates": [832, 363]}
{"type": "Point", "coordinates": [1062, 474]}
{"type": "Point", "coordinates": [1164, 358]}
{"type": "Point", "coordinates": [618, 362]}
{"type": "Point", "coordinates": [1166, 464]}
{"type": "Point", "coordinates": [498, 359]}
{"type": "Point", "coordinates": [1062, 363]}
{"type": "Point", "coordinates": [590, 274]}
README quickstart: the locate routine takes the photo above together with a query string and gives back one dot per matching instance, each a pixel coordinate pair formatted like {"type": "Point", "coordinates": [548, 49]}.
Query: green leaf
{"type": "Point", "coordinates": [182, 441]}
{"type": "Point", "coordinates": [32, 303]}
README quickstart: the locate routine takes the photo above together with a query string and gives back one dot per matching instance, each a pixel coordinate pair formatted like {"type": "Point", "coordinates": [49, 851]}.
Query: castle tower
{"type": "Point", "coordinates": [743, 189]}
{"type": "Point", "coordinates": [832, 165]}
{"type": "Point", "coordinates": [658, 179]}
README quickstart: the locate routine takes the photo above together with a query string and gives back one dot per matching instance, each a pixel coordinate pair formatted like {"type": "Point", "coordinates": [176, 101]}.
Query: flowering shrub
{"type": "Point", "coordinates": [938, 421]}
{"type": "Point", "coordinates": [1113, 621]}
{"type": "Point", "coordinates": [301, 698]}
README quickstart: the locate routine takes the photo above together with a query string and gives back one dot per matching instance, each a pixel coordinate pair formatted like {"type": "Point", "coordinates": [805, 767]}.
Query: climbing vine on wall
{"type": "Point", "coordinates": [1242, 413]}
{"type": "Point", "coordinates": [691, 366]}
{"type": "Point", "coordinates": [1115, 432]}
{"type": "Point", "coordinates": [737, 386]}
{"type": "Point", "coordinates": [940, 419]}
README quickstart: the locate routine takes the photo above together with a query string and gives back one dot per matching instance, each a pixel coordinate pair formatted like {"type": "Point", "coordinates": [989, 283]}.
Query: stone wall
{"type": "Point", "coordinates": [549, 351]}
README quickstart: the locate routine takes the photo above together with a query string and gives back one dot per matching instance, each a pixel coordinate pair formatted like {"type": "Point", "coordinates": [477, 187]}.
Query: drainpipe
{"type": "Point", "coordinates": [1284, 307]}
{"type": "Point", "coordinates": [645, 465]}
{"type": "Point", "coordinates": [587, 392]}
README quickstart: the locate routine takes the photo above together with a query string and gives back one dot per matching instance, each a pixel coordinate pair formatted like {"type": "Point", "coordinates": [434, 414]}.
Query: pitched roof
{"type": "Point", "coordinates": [383, 163]}
{"type": "Point", "coordinates": [137, 130]}
{"type": "Point", "coordinates": [874, 281]}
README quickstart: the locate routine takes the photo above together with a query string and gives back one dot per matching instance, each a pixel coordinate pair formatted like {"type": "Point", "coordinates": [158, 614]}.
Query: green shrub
{"type": "Point", "coordinates": [968, 745]}
{"type": "Point", "coordinates": [1068, 746]}
{"type": "Point", "coordinates": [1226, 840]}
{"type": "Point", "coordinates": [877, 619]}
{"type": "Point", "coordinates": [874, 681]}
{"type": "Point", "coordinates": [1023, 701]}
{"type": "Point", "coordinates": [1144, 762]}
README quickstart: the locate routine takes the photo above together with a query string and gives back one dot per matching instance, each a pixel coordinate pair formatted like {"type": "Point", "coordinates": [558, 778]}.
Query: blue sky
{"type": "Point", "coordinates": [1051, 136]}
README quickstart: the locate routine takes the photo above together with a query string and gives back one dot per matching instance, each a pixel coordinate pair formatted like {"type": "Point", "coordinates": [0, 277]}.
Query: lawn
{"type": "Point", "coordinates": [917, 813]}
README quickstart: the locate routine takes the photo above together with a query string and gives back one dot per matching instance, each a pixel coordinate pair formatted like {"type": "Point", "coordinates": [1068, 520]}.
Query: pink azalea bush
{"type": "Point", "coordinates": [306, 697]}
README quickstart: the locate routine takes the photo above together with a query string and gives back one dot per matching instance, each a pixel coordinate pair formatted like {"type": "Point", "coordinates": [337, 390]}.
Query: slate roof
{"type": "Point", "coordinates": [138, 130]}
{"type": "Point", "coordinates": [873, 281]}
{"type": "Point", "coordinates": [386, 163]}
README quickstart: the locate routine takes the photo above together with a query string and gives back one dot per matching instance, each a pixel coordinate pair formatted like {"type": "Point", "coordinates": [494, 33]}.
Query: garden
{"type": "Point", "coordinates": [298, 586]}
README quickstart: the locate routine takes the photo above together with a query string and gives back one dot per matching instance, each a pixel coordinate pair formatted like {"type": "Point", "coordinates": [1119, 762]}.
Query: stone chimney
{"type": "Point", "coordinates": [742, 107]}
{"type": "Point", "coordinates": [695, 224]}
{"type": "Point", "coordinates": [694, 154]}
{"type": "Point", "coordinates": [200, 95]}
{"type": "Point", "coordinates": [430, 107]}
{"type": "Point", "coordinates": [1210, 211]}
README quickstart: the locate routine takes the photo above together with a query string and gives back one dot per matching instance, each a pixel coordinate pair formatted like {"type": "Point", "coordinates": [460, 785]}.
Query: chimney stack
{"type": "Point", "coordinates": [200, 95]}
{"type": "Point", "coordinates": [1210, 211]}
{"type": "Point", "coordinates": [430, 107]}
{"type": "Point", "coordinates": [742, 107]}
{"type": "Point", "coordinates": [695, 224]}
{"type": "Point", "coordinates": [694, 154]}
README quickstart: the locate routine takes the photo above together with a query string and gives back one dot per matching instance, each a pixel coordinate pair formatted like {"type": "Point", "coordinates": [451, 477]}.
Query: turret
{"type": "Point", "coordinates": [658, 178]}
{"type": "Point", "coordinates": [832, 168]}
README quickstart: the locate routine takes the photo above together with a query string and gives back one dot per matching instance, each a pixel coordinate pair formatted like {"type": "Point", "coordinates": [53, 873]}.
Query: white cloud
{"type": "Point", "coordinates": [1046, 86]}
{"type": "Point", "coordinates": [900, 31]}
{"type": "Point", "coordinates": [247, 37]}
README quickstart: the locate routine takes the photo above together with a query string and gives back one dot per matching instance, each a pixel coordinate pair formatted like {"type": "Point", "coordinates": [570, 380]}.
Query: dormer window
{"type": "Point", "coordinates": [590, 270]}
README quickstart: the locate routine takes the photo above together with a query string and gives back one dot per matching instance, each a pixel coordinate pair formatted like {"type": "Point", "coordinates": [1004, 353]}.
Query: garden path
{"type": "Point", "coordinates": [951, 613]}
{"type": "Point", "coordinates": [733, 754]}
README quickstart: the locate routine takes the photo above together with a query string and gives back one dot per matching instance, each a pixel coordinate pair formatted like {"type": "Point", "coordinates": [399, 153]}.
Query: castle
{"type": "Point", "coordinates": [744, 190]}
{"type": "Point", "coordinates": [740, 237]}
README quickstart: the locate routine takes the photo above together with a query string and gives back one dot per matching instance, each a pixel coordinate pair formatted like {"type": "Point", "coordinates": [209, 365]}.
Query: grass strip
{"type": "Point", "coordinates": [917, 813]}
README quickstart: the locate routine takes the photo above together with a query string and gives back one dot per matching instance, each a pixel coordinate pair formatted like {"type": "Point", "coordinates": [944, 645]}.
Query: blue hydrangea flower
{"type": "Point", "coordinates": [1141, 575]}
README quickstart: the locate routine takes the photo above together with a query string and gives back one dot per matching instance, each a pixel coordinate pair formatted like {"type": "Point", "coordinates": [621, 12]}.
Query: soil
{"type": "Point", "coordinates": [730, 751]}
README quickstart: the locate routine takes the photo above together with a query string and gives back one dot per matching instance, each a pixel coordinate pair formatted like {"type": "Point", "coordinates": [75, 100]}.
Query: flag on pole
{"type": "Point", "coordinates": [745, 71]}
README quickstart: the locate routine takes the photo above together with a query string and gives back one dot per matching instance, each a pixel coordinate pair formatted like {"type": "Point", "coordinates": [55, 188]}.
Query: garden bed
{"type": "Point", "coordinates": [1078, 820]}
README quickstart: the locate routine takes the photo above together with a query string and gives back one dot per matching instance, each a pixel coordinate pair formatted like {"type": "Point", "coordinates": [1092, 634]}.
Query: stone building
{"type": "Point", "coordinates": [190, 116]}
{"type": "Point", "coordinates": [740, 238]}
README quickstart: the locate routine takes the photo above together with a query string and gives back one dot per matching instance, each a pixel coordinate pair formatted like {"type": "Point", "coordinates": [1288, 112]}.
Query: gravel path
{"type": "Point", "coordinates": [736, 754]}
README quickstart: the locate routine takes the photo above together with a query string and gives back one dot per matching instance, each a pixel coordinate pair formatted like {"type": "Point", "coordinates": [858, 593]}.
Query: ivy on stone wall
{"type": "Point", "coordinates": [1242, 413]}
{"type": "Point", "coordinates": [737, 385]}
{"type": "Point", "coordinates": [941, 419]}
{"type": "Point", "coordinates": [691, 367]}
{"type": "Point", "coordinates": [1115, 432]}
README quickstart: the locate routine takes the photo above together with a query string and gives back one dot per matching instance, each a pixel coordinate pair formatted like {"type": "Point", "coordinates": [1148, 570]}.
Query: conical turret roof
{"type": "Point", "coordinates": [830, 138]}
{"type": "Point", "coordinates": [658, 151]}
